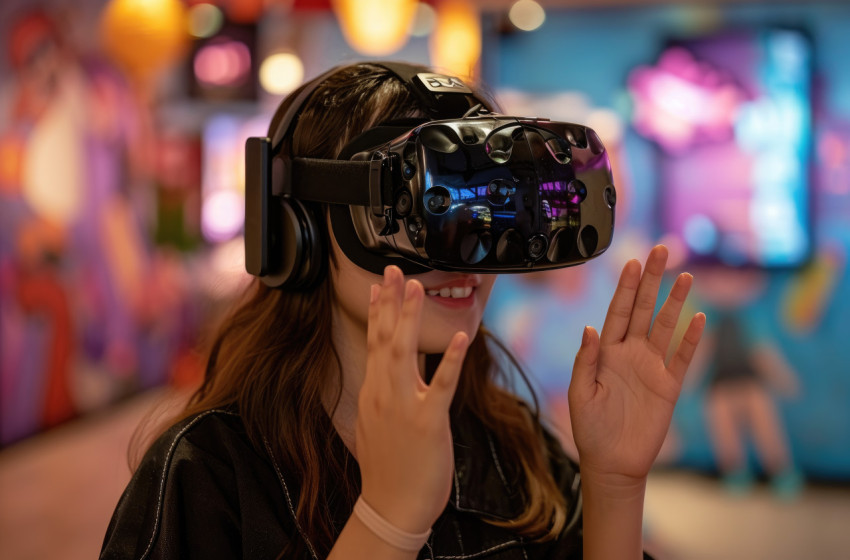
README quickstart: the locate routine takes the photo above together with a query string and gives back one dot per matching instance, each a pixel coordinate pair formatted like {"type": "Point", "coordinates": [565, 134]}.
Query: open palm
{"type": "Point", "coordinates": [622, 392]}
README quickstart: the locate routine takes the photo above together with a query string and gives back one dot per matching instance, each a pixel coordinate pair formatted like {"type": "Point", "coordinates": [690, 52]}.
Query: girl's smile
{"type": "Point", "coordinates": [458, 293]}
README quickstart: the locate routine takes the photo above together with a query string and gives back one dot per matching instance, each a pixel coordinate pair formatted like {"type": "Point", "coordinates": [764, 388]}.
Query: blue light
{"type": "Point", "coordinates": [776, 130]}
{"type": "Point", "coordinates": [701, 234]}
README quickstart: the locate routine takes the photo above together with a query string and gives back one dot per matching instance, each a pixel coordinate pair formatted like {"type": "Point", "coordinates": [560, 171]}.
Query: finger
{"type": "Point", "coordinates": [647, 293]}
{"type": "Point", "coordinates": [444, 383]}
{"type": "Point", "coordinates": [389, 305]}
{"type": "Point", "coordinates": [583, 382]}
{"type": "Point", "coordinates": [406, 341]}
{"type": "Point", "coordinates": [667, 319]}
{"type": "Point", "coordinates": [382, 320]}
{"type": "Point", "coordinates": [685, 352]}
{"type": "Point", "coordinates": [620, 309]}
{"type": "Point", "coordinates": [372, 329]}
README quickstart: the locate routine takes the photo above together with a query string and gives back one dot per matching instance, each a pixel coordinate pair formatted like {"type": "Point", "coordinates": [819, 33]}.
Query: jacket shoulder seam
{"type": "Point", "coordinates": [167, 465]}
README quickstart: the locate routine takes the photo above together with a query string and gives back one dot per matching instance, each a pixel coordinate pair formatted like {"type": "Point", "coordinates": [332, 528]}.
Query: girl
{"type": "Point", "coordinates": [364, 417]}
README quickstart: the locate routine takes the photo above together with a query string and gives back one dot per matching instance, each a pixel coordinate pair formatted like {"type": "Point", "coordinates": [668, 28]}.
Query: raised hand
{"type": "Point", "coordinates": [622, 393]}
{"type": "Point", "coordinates": [403, 437]}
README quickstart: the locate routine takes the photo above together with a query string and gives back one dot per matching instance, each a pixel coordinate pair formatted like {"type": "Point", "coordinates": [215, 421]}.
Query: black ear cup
{"type": "Point", "coordinates": [299, 259]}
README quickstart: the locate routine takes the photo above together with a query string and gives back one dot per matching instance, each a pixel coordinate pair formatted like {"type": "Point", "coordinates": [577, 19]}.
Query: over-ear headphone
{"type": "Point", "coordinates": [286, 242]}
{"type": "Point", "coordinates": [302, 248]}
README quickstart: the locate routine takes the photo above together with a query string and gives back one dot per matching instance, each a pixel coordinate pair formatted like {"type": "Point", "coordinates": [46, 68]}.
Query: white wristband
{"type": "Point", "coordinates": [386, 531]}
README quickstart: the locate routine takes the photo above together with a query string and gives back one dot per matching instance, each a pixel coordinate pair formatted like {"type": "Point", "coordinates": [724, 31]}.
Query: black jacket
{"type": "Point", "coordinates": [204, 491]}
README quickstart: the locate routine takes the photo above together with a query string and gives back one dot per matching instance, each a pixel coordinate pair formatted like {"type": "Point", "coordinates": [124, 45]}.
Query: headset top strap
{"type": "Point", "coordinates": [442, 96]}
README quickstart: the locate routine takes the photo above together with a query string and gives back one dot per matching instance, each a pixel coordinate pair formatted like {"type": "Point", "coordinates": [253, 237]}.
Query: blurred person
{"type": "Point", "coordinates": [743, 373]}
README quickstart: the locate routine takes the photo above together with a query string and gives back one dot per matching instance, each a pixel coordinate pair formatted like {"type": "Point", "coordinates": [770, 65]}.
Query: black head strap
{"type": "Point", "coordinates": [328, 181]}
{"type": "Point", "coordinates": [443, 97]}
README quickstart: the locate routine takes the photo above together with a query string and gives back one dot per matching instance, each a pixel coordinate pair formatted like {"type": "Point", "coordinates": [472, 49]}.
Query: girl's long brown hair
{"type": "Point", "coordinates": [273, 356]}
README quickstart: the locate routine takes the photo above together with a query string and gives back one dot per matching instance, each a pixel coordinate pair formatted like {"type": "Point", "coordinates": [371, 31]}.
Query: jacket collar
{"type": "Point", "coordinates": [484, 483]}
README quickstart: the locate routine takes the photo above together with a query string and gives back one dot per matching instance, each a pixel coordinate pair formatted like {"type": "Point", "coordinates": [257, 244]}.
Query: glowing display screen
{"type": "Point", "coordinates": [731, 115]}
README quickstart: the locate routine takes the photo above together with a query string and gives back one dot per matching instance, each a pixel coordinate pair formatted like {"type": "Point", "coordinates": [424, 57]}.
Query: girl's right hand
{"type": "Point", "coordinates": [403, 437]}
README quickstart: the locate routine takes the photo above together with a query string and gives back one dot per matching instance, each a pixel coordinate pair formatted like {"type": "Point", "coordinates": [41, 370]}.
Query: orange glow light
{"type": "Point", "coordinates": [455, 44]}
{"type": "Point", "coordinates": [143, 36]}
{"type": "Point", "coordinates": [375, 27]}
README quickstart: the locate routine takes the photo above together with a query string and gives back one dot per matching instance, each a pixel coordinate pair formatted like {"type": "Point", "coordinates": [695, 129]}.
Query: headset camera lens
{"type": "Point", "coordinates": [610, 196]}
{"type": "Point", "coordinates": [588, 240]}
{"type": "Point", "coordinates": [437, 200]}
{"type": "Point", "coordinates": [576, 191]}
{"type": "Point", "coordinates": [403, 203]}
{"type": "Point", "coordinates": [537, 246]}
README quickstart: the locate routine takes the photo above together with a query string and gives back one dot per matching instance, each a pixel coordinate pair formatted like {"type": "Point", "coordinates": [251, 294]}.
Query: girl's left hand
{"type": "Point", "coordinates": [622, 393]}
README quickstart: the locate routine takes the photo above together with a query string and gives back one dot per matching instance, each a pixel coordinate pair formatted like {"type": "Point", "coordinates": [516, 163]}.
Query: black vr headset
{"type": "Point", "coordinates": [463, 190]}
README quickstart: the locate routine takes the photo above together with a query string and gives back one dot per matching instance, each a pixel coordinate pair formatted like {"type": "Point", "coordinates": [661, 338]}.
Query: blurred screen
{"type": "Point", "coordinates": [731, 115]}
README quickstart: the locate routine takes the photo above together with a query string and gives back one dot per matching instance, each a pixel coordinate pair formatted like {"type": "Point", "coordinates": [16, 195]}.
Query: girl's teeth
{"type": "Point", "coordinates": [451, 292]}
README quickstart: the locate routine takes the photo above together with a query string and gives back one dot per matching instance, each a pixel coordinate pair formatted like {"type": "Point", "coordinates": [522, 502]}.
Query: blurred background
{"type": "Point", "coordinates": [122, 126]}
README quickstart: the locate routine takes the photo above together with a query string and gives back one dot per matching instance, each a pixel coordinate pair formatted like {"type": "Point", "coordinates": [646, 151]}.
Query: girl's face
{"type": "Point", "coordinates": [453, 301]}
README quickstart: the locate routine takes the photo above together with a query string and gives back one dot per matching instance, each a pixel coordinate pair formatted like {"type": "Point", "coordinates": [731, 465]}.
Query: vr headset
{"type": "Point", "coordinates": [464, 190]}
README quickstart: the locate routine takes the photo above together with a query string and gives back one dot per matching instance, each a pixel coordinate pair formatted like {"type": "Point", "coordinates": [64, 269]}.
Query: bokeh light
{"type": "Point", "coordinates": [455, 44]}
{"type": "Point", "coordinates": [701, 234]}
{"type": "Point", "coordinates": [527, 15]}
{"type": "Point", "coordinates": [244, 11]}
{"type": "Point", "coordinates": [281, 73]}
{"type": "Point", "coordinates": [205, 20]}
{"type": "Point", "coordinates": [222, 215]}
{"type": "Point", "coordinates": [223, 63]}
{"type": "Point", "coordinates": [424, 20]}
{"type": "Point", "coordinates": [144, 36]}
{"type": "Point", "coordinates": [375, 27]}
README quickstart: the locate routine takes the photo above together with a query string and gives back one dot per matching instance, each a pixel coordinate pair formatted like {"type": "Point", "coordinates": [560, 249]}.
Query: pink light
{"type": "Point", "coordinates": [222, 215]}
{"type": "Point", "coordinates": [833, 153]}
{"type": "Point", "coordinates": [223, 63]}
{"type": "Point", "coordinates": [681, 101]}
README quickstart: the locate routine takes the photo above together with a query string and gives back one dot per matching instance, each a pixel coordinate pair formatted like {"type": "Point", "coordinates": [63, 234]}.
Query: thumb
{"type": "Point", "coordinates": [583, 382]}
